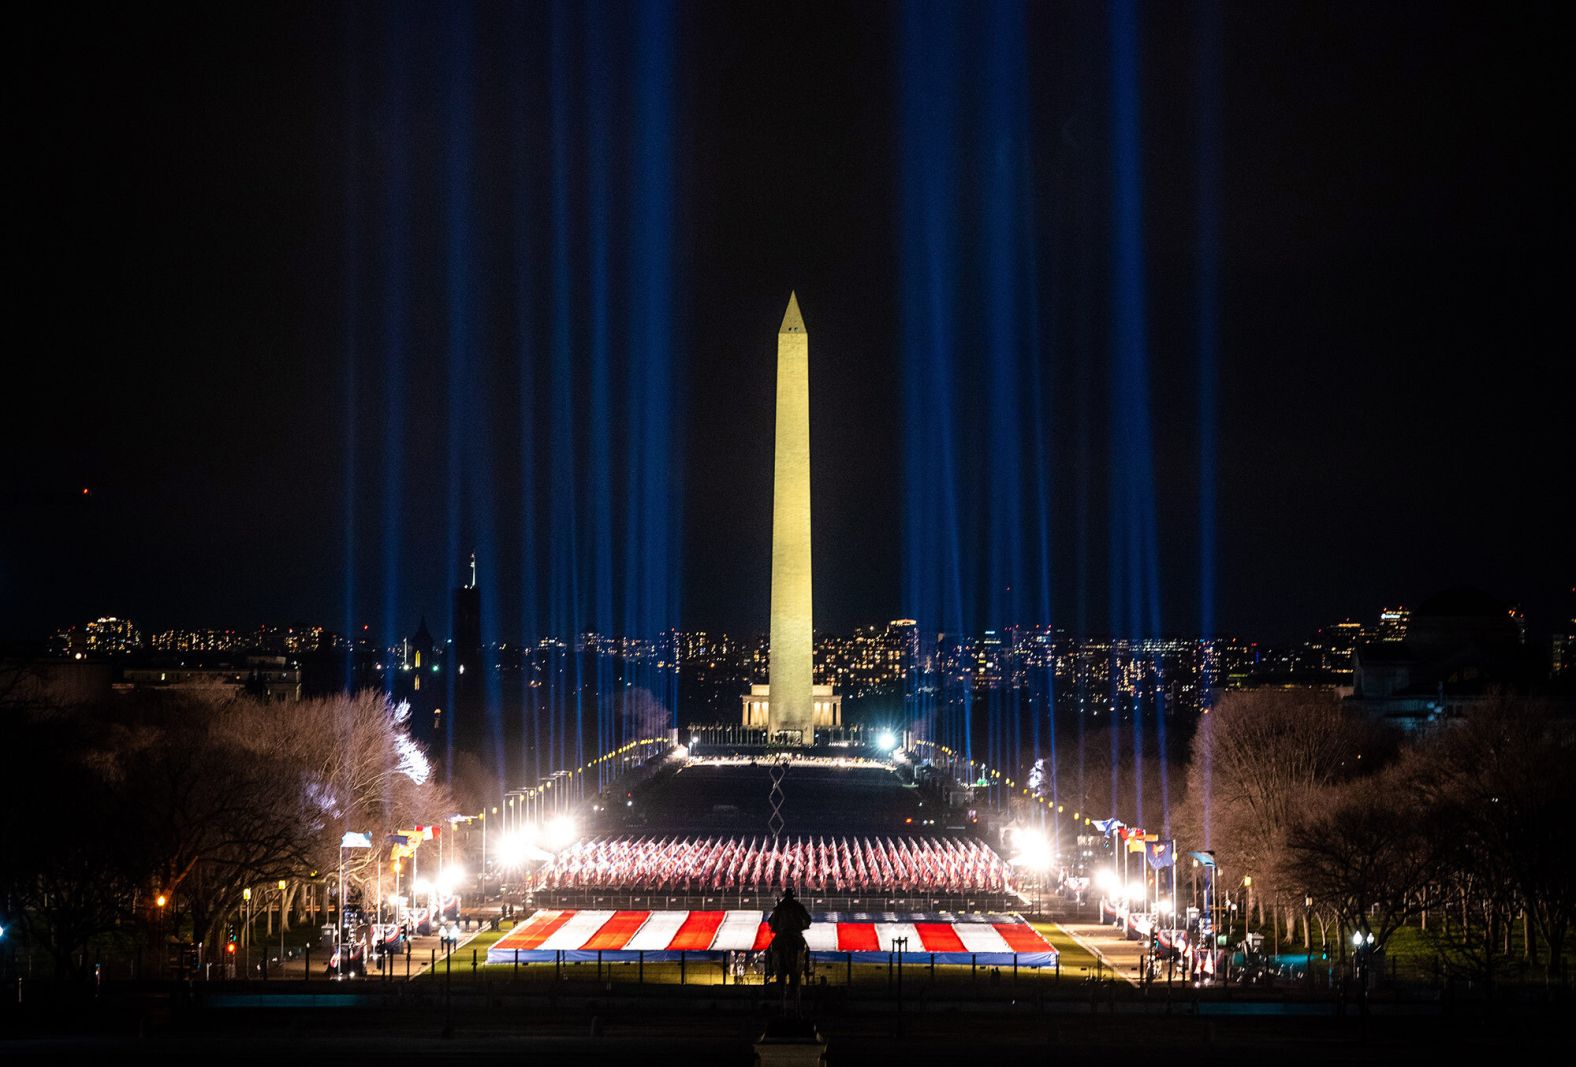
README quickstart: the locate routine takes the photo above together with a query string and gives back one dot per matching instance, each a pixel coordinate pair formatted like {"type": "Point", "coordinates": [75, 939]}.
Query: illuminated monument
{"type": "Point", "coordinates": [792, 705]}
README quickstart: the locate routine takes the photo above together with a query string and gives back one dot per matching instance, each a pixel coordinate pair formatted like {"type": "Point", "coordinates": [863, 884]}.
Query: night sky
{"type": "Point", "coordinates": [206, 265]}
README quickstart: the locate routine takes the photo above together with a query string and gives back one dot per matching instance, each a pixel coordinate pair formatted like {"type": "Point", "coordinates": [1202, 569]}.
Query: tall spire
{"type": "Point", "coordinates": [473, 572]}
{"type": "Point", "coordinates": [791, 669]}
{"type": "Point", "coordinates": [793, 322]}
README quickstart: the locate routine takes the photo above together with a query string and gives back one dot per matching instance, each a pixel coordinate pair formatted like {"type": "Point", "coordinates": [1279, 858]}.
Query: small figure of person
{"type": "Point", "coordinates": [788, 922]}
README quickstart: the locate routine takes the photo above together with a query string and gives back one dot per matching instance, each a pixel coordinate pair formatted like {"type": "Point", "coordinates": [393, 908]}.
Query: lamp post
{"type": "Point", "coordinates": [1231, 922]}
{"type": "Point", "coordinates": [161, 900]}
{"type": "Point", "coordinates": [1307, 934]}
{"type": "Point", "coordinates": [899, 946]}
{"type": "Point", "coordinates": [281, 887]}
{"type": "Point", "coordinates": [1362, 949]}
{"type": "Point", "coordinates": [339, 940]}
{"type": "Point", "coordinates": [246, 935]}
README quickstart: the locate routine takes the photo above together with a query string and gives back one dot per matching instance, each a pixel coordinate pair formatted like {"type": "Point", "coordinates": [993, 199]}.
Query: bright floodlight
{"type": "Point", "coordinates": [450, 880]}
{"type": "Point", "coordinates": [1164, 906]}
{"type": "Point", "coordinates": [1135, 891]}
{"type": "Point", "coordinates": [421, 886]}
{"type": "Point", "coordinates": [513, 849]}
{"type": "Point", "coordinates": [1031, 849]}
{"type": "Point", "coordinates": [1105, 880]}
{"type": "Point", "coordinates": [886, 740]}
{"type": "Point", "coordinates": [559, 833]}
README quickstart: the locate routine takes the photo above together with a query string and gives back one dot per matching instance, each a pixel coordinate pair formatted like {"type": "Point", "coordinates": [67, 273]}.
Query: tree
{"type": "Point", "coordinates": [1261, 757]}
{"type": "Point", "coordinates": [198, 795]}
{"type": "Point", "coordinates": [1499, 779]}
{"type": "Point", "coordinates": [65, 879]}
{"type": "Point", "coordinates": [1361, 851]}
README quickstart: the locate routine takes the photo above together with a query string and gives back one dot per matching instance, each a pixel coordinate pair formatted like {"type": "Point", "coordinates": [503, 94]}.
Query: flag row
{"type": "Point", "coordinates": [815, 864]}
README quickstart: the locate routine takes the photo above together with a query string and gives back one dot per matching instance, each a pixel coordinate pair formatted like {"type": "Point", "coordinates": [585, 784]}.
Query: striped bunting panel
{"type": "Point", "coordinates": [571, 935]}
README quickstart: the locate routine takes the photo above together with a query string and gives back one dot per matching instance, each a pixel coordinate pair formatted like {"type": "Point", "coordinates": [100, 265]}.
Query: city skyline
{"type": "Point", "coordinates": [1320, 651]}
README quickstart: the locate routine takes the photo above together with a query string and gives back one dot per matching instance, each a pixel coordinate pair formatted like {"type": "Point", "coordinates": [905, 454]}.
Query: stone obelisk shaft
{"type": "Point", "coordinates": [791, 668]}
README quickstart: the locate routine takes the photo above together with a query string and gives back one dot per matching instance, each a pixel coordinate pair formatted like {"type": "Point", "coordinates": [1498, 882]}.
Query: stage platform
{"type": "Point", "coordinates": [985, 939]}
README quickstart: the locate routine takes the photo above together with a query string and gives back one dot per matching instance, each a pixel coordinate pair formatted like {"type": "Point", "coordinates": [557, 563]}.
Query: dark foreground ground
{"type": "Point", "coordinates": [662, 1025]}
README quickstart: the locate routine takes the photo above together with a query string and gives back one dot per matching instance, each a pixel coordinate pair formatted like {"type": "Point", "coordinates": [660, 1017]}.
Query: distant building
{"type": "Point", "coordinates": [1339, 646]}
{"type": "Point", "coordinates": [1460, 648]}
{"type": "Point", "coordinates": [1392, 624]}
{"type": "Point", "coordinates": [1562, 665]}
{"type": "Point", "coordinates": [466, 666]}
{"type": "Point", "coordinates": [420, 682]}
{"type": "Point", "coordinates": [467, 648]}
{"type": "Point", "coordinates": [827, 707]}
{"type": "Point", "coordinates": [270, 678]}
{"type": "Point", "coordinates": [107, 636]}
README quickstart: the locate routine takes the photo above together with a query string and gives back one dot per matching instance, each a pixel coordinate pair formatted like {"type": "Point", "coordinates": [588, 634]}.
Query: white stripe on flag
{"type": "Point", "coordinates": [885, 932]}
{"type": "Point", "coordinates": [577, 931]}
{"type": "Point", "coordinates": [981, 937]}
{"type": "Point", "coordinates": [658, 931]}
{"type": "Point", "coordinates": [737, 931]}
{"type": "Point", "coordinates": [821, 937]}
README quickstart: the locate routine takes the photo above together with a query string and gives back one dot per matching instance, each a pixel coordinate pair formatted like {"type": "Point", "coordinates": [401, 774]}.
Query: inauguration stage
{"type": "Point", "coordinates": [985, 939]}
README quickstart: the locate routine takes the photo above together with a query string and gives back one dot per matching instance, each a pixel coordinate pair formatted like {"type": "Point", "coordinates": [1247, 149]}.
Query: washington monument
{"type": "Point", "coordinates": [792, 651]}
{"type": "Point", "coordinates": [792, 707]}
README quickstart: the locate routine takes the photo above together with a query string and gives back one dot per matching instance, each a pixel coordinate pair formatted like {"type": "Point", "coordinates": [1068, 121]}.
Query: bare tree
{"type": "Point", "coordinates": [1361, 850]}
{"type": "Point", "coordinates": [1261, 758]}
{"type": "Point", "coordinates": [1497, 781]}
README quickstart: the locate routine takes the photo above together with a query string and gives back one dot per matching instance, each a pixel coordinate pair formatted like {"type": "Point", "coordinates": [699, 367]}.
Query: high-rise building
{"type": "Point", "coordinates": [1392, 624]}
{"type": "Point", "coordinates": [106, 636]}
{"type": "Point", "coordinates": [467, 675]}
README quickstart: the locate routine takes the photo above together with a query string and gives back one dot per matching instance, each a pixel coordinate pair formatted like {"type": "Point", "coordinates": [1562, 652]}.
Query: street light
{"type": "Point", "coordinates": [1362, 949]}
{"type": "Point", "coordinates": [161, 900]}
{"type": "Point", "coordinates": [280, 886]}
{"type": "Point", "coordinates": [1307, 934]}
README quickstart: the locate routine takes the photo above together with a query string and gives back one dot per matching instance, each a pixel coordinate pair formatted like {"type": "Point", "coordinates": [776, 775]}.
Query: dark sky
{"type": "Point", "coordinates": [1394, 240]}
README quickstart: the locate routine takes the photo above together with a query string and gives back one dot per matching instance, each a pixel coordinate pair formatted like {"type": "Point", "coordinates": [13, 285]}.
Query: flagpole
{"type": "Point", "coordinates": [1176, 898]}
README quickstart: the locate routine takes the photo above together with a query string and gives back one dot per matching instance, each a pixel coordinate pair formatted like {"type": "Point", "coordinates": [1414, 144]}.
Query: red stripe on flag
{"type": "Point", "coordinates": [697, 932]}
{"type": "Point", "coordinates": [1021, 937]}
{"type": "Point", "coordinates": [939, 937]}
{"type": "Point", "coordinates": [763, 938]}
{"type": "Point", "coordinates": [535, 930]}
{"type": "Point", "coordinates": [616, 932]}
{"type": "Point", "coordinates": [857, 937]}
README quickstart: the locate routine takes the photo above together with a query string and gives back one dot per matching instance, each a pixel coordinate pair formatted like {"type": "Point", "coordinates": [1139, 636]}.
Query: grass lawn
{"type": "Point", "coordinates": [1077, 961]}
{"type": "Point", "coordinates": [462, 956]}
